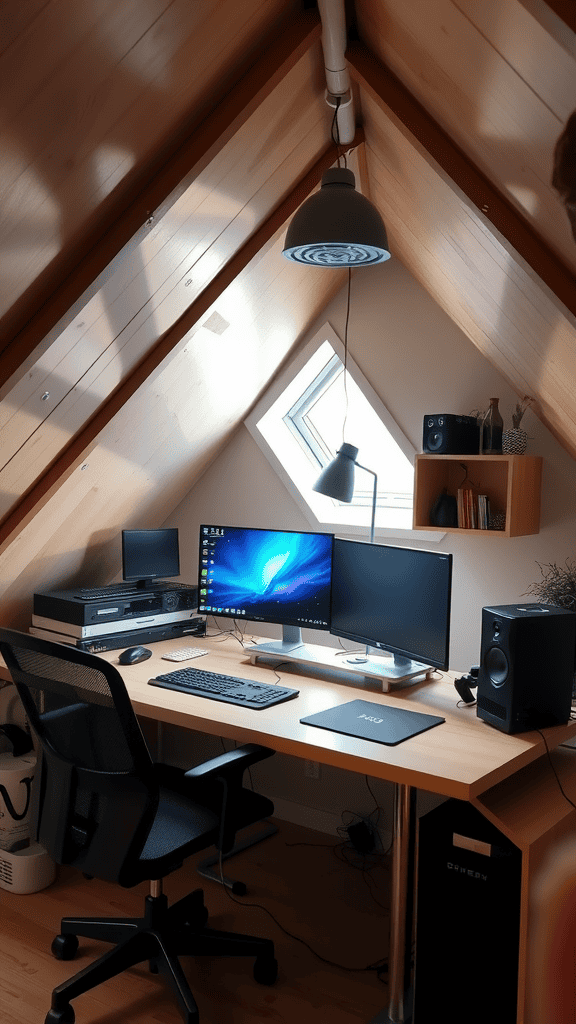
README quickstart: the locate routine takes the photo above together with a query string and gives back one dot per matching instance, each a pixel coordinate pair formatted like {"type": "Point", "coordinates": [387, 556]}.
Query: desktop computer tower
{"type": "Point", "coordinates": [467, 919]}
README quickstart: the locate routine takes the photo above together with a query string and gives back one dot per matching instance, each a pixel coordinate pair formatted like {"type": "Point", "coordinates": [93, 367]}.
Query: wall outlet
{"type": "Point", "coordinates": [312, 769]}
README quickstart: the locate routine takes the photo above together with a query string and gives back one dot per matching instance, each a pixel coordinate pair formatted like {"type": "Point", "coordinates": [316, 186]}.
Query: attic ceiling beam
{"type": "Point", "coordinates": [125, 220]}
{"type": "Point", "coordinates": [566, 11]}
{"type": "Point", "coordinates": [390, 95]}
{"type": "Point", "coordinates": [72, 457]}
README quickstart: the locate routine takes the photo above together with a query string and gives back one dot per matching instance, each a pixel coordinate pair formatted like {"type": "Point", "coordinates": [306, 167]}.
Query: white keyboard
{"type": "Point", "coordinates": [185, 653]}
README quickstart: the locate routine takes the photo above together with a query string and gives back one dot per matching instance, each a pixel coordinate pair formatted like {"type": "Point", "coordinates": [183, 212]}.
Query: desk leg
{"type": "Point", "coordinates": [401, 910]}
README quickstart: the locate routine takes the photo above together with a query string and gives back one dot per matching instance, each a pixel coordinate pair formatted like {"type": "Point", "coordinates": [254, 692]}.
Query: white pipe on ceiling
{"type": "Point", "coordinates": [337, 76]}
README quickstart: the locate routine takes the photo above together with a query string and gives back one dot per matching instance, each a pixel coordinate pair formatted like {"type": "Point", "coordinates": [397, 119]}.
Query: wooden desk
{"type": "Point", "coordinates": [462, 758]}
{"type": "Point", "coordinates": [508, 778]}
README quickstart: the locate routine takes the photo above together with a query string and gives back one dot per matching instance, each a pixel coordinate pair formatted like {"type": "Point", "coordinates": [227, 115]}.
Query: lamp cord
{"type": "Point", "coordinates": [346, 355]}
{"type": "Point", "coordinates": [335, 133]}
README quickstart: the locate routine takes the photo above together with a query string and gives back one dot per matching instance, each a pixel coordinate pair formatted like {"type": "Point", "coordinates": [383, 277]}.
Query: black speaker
{"type": "Point", "coordinates": [177, 598]}
{"type": "Point", "coordinates": [467, 919]}
{"type": "Point", "coordinates": [526, 666]}
{"type": "Point", "coordinates": [447, 434]}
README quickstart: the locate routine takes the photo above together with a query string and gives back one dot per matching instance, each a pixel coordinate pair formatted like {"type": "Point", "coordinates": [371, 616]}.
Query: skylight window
{"type": "Point", "coordinates": [304, 418]}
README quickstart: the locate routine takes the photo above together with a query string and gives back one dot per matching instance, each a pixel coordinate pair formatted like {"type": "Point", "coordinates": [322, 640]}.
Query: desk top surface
{"type": "Point", "coordinates": [462, 757]}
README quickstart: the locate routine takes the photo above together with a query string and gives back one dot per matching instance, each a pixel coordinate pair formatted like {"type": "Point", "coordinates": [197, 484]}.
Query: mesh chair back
{"type": "Point", "coordinates": [98, 792]}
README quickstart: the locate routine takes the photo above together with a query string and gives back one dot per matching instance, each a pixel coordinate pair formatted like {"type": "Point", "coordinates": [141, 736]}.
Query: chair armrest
{"type": "Point", "coordinates": [233, 761]}
{"type": "Point", "coordinates": [225, 773]}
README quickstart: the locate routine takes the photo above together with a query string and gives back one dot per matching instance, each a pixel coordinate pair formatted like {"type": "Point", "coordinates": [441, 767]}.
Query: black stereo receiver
{"type": "Point", "coordinates": [84, 606]}
{"type": "Point", "coordinates": [447, 434]}
{"type": "Point", "coordinates": [195, 626]}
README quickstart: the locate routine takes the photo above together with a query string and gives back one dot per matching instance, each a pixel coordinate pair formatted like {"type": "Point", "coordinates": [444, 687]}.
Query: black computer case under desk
{"type": "Point", "coordinates": [467, 919]}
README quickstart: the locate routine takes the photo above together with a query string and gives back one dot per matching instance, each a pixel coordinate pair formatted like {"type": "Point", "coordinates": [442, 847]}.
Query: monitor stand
{"type": "Point", "coordinates": [397, 669]}
{"type": "Point", "coordinates": [391, 670]}
{"type": "Point", "coordinates": [290, 643]}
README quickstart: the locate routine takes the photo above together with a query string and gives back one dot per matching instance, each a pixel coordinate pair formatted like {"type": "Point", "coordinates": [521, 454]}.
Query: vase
{"type": "Point", "coordinates": [514, 442]}
{"type": "Point", "coordinates": [491, 431]}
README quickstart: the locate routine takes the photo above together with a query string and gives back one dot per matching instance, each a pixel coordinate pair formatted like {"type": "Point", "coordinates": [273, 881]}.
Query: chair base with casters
{"type": "Point", "coordinates": [161, 936]}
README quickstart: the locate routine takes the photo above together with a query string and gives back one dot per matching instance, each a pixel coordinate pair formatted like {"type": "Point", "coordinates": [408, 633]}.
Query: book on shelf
{"type": "Point", "coordinates": [473, 510]}
{"type": "Point", "coordinates": [466, 509]}
{"type": "Point", "coordinates": [461, 508]}
{"type": "Point", "coordinates": [483, 512]}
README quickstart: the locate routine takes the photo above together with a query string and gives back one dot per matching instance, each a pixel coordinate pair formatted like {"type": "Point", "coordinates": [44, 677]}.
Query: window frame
{"type": "Point", "coordinates": [284, 383]}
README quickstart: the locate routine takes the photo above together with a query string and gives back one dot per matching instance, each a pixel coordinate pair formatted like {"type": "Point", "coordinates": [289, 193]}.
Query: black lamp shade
{"type": "Point", "coordinates": [337, 226]}
{"type": "Point", "coordinates": [337, 480]}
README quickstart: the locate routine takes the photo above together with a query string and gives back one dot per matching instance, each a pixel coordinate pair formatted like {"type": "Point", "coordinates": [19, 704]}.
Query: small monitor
{"type": "Point", "coordinates": [149, 555]}
{"type": "Point", "coordinates": [393, 599]}
{"type": "Point", "coordinates": [275, 576]}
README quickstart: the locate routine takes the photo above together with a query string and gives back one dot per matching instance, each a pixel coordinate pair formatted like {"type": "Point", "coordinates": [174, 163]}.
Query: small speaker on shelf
{"type": "Point", "coordinates": [526, 666]}
{"type": "Point", "coordinates": [447, 434]}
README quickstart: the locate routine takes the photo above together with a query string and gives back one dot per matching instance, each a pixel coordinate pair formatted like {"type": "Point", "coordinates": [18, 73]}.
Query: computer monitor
{"type": "Point", "coordinates": [149, 555]}
{"type": "Point", "coordinates": [393, 599]}
{"type": "Point", "coordinates": [275, 576]}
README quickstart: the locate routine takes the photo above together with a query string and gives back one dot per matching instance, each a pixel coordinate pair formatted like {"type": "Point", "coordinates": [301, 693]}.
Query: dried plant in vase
{"type": "Point", "coordinates": [557, 585]}
{"type": "Point", "coordinates": [515, 441]}
{"type": "Point", "coordinates": [520, 410]}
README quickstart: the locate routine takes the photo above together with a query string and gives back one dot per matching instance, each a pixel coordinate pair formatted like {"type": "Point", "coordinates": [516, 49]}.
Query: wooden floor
{"type": "Point", "coordinates": [337, 909]}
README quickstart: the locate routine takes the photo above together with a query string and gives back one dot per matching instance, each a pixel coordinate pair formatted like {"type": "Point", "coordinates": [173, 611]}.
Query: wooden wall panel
{"type": "Point", "coordinates": [145, 296]}
{"type": "Point", "coordinates": [127, 75]}
{"type": "Point", "coordinates": [497, 83]}
{"type": "Point", "coordinates": [147, 458]}
{"type": "Point", "coordinates": [474, 274]}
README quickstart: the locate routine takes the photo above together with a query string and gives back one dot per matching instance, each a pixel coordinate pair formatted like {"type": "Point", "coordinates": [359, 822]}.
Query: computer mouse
{"type": "Point", "coordinates": [133, 655]}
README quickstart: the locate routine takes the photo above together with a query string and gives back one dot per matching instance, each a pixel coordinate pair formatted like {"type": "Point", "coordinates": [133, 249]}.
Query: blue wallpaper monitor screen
{"type": "Point", "coordinates": [265, 575]}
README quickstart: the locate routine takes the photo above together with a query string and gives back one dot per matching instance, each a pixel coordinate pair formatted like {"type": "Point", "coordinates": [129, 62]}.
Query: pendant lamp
{"type": "Point", "coordinates": [337, 226]}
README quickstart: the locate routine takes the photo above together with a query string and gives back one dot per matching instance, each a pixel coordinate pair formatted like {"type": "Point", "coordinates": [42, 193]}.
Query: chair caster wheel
{"type": "Point", "coordinates": [265, 970]}
{"type": "Point", "coordinates": [65, 947]}
{"type": "Point", "coordinates": [64, 1016]}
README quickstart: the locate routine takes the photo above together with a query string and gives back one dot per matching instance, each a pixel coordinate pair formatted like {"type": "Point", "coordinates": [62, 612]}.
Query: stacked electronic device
{"type": "Point", "coordinates": [117, 616]}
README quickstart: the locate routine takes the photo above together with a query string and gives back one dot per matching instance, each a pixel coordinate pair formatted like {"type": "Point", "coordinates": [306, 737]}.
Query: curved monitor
{"type": "Point", "coordinates": [267, 576]}
{"type": "Point", "coordinates": [150, 555]}
{"type": "Point", "coordinates": [393, 599]}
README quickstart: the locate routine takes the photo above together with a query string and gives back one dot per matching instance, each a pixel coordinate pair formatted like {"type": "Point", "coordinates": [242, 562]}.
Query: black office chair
{"type": "Point", "coordinates": [106, 808]}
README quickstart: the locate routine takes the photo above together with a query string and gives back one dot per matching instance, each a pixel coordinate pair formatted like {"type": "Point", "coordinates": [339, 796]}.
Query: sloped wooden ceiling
{"type": "Point", "coordinates": [472, 213]}
{"type": "Point", "coordinates": [152, 154]}
{"type": "Point", "coordinates": [134, 368]}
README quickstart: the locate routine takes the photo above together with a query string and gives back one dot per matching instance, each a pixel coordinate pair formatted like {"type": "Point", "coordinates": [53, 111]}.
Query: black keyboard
{"type": "Point", "coordinates": [230, 689]}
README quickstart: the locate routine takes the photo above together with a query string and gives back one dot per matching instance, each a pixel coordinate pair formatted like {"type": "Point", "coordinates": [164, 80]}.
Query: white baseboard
{"type": "Point", "coordinates": [307, 817]}
{"type": "Point", "coordinates": [318, 820]}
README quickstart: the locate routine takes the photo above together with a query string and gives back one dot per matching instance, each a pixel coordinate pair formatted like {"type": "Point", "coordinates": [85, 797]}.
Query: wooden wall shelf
{"type": "Point", "coordinates": [512, 483]}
